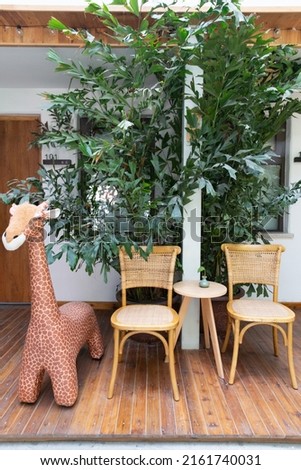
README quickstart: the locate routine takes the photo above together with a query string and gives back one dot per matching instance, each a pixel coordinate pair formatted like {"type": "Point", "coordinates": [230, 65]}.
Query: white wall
{"type": "Point", "coordinates": [290, 275]}
{"type": "Point", "coordinates": [79, 286]}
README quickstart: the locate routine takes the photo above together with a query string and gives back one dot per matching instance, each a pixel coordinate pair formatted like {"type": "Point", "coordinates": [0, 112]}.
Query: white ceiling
{"type": "Point", "coordinates": [274, 5]}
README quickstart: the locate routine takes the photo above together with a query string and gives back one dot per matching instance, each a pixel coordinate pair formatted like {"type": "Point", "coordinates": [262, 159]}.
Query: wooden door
{"type": "Point", "coordinates": [16, 161]}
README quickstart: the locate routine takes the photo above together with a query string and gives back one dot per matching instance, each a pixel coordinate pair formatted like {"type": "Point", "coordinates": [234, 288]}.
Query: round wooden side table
{"type": "Point", "coordinates": [191, 289]}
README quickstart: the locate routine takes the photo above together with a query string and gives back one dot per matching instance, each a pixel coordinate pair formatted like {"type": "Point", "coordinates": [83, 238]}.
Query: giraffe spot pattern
{"type": "Point", "coordinates": [55, 335]}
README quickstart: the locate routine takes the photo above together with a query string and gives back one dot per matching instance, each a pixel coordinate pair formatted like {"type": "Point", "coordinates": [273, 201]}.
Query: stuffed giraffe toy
{"type": "Point", "coordinates": [55, 334]}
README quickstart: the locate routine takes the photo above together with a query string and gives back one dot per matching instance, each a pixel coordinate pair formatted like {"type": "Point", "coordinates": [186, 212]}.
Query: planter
{"type": "Point", "coordinates": [204, 282]}
{"type": "Point", "coordinates": [219, 305]}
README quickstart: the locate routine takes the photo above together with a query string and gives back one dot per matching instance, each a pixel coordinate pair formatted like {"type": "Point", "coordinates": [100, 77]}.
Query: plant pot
{"type": "Point", "coordinates": [219, 305]}
{"type": "Point", "coordinates": [204, 282]}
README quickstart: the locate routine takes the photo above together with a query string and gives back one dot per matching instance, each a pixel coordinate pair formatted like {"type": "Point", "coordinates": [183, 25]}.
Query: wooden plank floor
{"type": "Point", "coordinates": [260, 406]}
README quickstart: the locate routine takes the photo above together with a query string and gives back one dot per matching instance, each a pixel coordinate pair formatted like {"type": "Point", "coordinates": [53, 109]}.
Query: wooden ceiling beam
{"type": "Point", "coordinates": [41, 36]}
{"type": "Point", "coordinates": [24, 27]}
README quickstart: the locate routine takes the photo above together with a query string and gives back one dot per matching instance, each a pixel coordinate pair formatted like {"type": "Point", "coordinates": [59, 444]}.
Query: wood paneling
{"type": "Point", "coordinates": [261, 406]}
{"type": "Point", "coordinates": [24, 28]}
{"type": "Point", "coordinates": [71, 18]}
{"type": "Point", "coordinates": [284, 26]}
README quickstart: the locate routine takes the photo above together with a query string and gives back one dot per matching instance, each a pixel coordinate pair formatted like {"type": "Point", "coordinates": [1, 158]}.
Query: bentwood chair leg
{"type": "Point", "coordinates": [275, 342]}
{"type": "Point", "coordinates": [290, 355]}
{"type": "Point", "coordinates": [235, 351]}
{"type": "Point", "coordinates": [115, 363]}
{"type": "Point", "coordinates": [227, 336]}
{"type": "Point", "coordinates": [171, 364]}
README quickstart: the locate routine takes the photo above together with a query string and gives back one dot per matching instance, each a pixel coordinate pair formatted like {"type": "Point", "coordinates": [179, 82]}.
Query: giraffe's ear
{"type": "Point", "coordinates": [52, 214]}
{"type": "Point", "coordinates": [12, 210]}
{"type": "Point", "coordinates": [43, 211]}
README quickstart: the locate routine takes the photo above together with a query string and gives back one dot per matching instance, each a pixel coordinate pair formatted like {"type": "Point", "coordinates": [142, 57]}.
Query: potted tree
{"type": "Point", "coordinates": [246, 101]}
{"type": "Point", "coordinates": [123, 118]}
{"type": "Point", "coordinates": [129, 185]}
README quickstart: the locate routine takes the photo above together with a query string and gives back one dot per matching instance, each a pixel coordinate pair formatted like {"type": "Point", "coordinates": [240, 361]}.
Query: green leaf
{"type": "Point", "coordinates": [54, 23]}
{"type": "Point", "coordinates": [232, 172]}
{"type": "Point", "coordinates": [125, 124]}
{"type": "Point", "coordinates": [133, 6]}
{"type": "Point", "coordinates": [72, 257]}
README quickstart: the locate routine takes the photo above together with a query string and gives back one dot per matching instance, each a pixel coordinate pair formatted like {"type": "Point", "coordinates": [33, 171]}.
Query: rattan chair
{"type": "Point", "coordinates": [128, 320]}
{"type": "Point", "coordinates": [258, 264]}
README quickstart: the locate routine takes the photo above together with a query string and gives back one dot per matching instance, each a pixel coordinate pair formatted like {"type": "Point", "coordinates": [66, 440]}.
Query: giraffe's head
{"type": "Point", "coordinates": [25, 222]}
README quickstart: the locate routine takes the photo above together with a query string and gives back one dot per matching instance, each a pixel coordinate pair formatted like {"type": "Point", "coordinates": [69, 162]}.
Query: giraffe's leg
{"type": "Point", "coordinates": [30, 382]}
{"type": "Point", "coordinates": [64, 382]}
{"type": "Point", "coordinates": [95, 343]}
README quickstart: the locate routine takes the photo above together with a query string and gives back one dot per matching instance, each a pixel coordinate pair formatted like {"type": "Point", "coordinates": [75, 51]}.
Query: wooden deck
{"type": "Point", "coordinates": [260, 407]}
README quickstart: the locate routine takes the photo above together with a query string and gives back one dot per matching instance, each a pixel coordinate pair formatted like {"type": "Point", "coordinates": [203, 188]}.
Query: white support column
{"type": "Point", "coordinates": [191, 238]}
{"type": "Point", "coordinates": [191, 260]}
